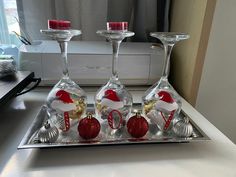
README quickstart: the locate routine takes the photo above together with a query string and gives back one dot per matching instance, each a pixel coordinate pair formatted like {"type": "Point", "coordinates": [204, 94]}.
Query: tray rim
{"type": "Point", "coordinates": [23, 144]}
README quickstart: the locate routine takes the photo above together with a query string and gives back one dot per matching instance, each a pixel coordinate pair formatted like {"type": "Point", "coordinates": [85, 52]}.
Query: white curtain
{"type": "Point", "coordinates": [90, 15]}
{"type": "Point", "coordinates": [4, 34]}
{"type": "Point", "coordinates": [87, 15]}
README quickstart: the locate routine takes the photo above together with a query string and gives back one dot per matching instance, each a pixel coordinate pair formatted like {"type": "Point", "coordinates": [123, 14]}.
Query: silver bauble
{"type": "Point", "coordinates": [48, 133]}
{"type": "Point", "coordinates": [183, 128]}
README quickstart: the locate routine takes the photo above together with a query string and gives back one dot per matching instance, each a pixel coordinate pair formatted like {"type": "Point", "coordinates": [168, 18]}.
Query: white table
{"type": "Point", "coordinates": [213, 158]}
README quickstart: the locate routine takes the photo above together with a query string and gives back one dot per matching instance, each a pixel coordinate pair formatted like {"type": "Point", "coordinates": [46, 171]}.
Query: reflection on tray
{"type": "Point", "coordinates": [72, 138]}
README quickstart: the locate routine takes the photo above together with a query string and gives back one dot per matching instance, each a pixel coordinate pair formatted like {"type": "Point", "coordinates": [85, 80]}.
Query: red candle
{"type": "Point", "coordinates": [59, 24]}
{"type": "Point", "coordinates": [121, 26]}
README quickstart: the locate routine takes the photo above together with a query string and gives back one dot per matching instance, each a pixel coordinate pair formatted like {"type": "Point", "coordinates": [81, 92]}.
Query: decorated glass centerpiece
{"type": "Point", "coordinates": [66, 101]}
{"type": "Point", "coordinates": [161, 103]}
{"type": "Point", "coordinates": [113, 101]}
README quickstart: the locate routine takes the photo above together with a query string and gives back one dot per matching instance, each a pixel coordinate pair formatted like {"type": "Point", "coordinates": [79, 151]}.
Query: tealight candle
{"type": "Point", "coordinates": [121, 26]}
{"type": "Point", "coordinates": [58, 24]}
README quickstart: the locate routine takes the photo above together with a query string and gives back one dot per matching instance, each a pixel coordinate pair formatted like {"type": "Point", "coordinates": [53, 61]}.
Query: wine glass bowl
{"type": "Point", "coordinates": [61, 35]}
{"type": "Point", "coordinates": [169, 37]}
{"type": "Point", "coordinates": [115, 34]}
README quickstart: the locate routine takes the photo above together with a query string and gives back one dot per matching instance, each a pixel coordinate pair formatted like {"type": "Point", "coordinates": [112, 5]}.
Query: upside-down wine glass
{"type": "Point", "coordinates": [113, 101]}
{"type": "Point", "coordinates": [66, 101]}
{"type": "Point", "coordinates": [161, 103]}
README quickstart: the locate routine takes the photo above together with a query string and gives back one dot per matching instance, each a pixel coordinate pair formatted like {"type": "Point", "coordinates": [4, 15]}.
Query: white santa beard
{"type": "Point", "coordinates": [112, 104]}
{"type": "Point", "coordinates": [61, 106]}
{"type": "Point", "coordinates": [162, 105]}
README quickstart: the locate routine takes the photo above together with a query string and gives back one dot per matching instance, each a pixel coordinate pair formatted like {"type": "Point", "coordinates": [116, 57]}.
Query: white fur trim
{"type": "Point", "coordinates": [64, 107]}
{"type": "Point", "coordinates": [166, 106]}
{"type": "Point", "coordinates": [112, 104]}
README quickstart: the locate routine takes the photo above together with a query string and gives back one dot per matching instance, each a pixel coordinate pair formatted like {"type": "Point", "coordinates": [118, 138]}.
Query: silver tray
{"type": "Point", "coordinates": [152, 137]}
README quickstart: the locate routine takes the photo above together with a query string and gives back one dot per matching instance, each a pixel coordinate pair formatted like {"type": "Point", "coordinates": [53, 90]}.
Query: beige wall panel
{"type": "Point", "coordinates": [192, 17]}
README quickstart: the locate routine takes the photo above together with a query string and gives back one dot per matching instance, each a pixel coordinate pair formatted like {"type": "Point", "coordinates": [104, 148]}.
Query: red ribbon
{"type": "Point", "coordinates": [66, 121]}
{"type": "Point", "coordinates": [168, 121]}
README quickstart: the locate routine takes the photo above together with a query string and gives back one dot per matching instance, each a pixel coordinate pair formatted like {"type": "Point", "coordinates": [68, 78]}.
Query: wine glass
{"type": "Point", "coordinates": [161, 103]}
{"type": "Point", "coordinates": [66, 101]}
{"type": "Point", "coordinates": [113, 101]}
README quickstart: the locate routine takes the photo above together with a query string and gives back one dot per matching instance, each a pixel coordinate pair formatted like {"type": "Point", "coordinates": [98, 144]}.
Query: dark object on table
{"type": "Point", "coordinates": [11, 86]}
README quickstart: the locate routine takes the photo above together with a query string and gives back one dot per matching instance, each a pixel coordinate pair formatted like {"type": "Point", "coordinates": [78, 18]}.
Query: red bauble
{"type": "Point", "coordinates": [89, 127]}
{"type": "Point", "coordinates": [137, 126]}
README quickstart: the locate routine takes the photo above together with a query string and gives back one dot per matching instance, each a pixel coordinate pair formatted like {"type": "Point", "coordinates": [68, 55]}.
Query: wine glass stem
{"type": "Point", "coordinates": [167, 49]}
{"type": "Point", "coordinates": [115, 48]}
{"type": "Point", "coordinates": [63, 47]}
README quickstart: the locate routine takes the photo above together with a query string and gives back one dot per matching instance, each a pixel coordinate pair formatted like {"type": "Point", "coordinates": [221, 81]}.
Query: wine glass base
{"type": "Point", "coordinates": [61, 35]}
{"type": "Point", "coordinates": [115, 34]}
{"type": "Point", "coordinates": [169, 37]}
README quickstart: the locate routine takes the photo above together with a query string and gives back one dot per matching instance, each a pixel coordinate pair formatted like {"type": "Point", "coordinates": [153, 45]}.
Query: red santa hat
{"type": "Point", "coordinates": [64, 102]}
{"type": "Point", "coordinates": [165, 101]}
{"type": "Point", "coordinates": [111, 100]}
{"type": "Point", "coordinates": [64, 96]}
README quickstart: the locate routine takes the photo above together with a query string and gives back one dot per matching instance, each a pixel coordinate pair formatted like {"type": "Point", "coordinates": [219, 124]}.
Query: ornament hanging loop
{"type": "Point", "coordinates": [47, 125]}
{"type": "Point", "coordinates": [137, 113]}
{"type": "Point", "coordinates": [89, 115]}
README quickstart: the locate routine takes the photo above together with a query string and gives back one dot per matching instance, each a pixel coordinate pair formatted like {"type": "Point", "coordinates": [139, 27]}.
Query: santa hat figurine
{"type": "Point", "coordinates": [165, 102]}
{"type": "Point", "coordinates": [63, 104]}
{"type": "Point", "coordinates": [114, 105]}
{"type": "Point", "coordinates": [111, 100]}
{"type": "Point", "coordinates": [164, 110]}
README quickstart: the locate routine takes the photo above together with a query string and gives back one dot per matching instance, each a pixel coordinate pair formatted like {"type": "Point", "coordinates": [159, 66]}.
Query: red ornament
{"type": "Point", "coordinates": [137, 126]}
{"type": "Point", "coordinates": [89, 127]}
{"type": "Point", "coordinates": [59, 24]}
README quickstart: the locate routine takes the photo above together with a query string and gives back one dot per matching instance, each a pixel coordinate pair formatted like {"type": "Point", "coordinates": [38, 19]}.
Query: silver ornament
{"type": "Point", "coordinates": [48, 133]}
{"type": "Point", "coordinates": [183, 128]}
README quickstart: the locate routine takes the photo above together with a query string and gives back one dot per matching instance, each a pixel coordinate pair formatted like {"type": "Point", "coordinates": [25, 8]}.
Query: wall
{"type": "Point", "coordinates": [217, 92]}
{"type": "Point", "coordinates": [193, 17]}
